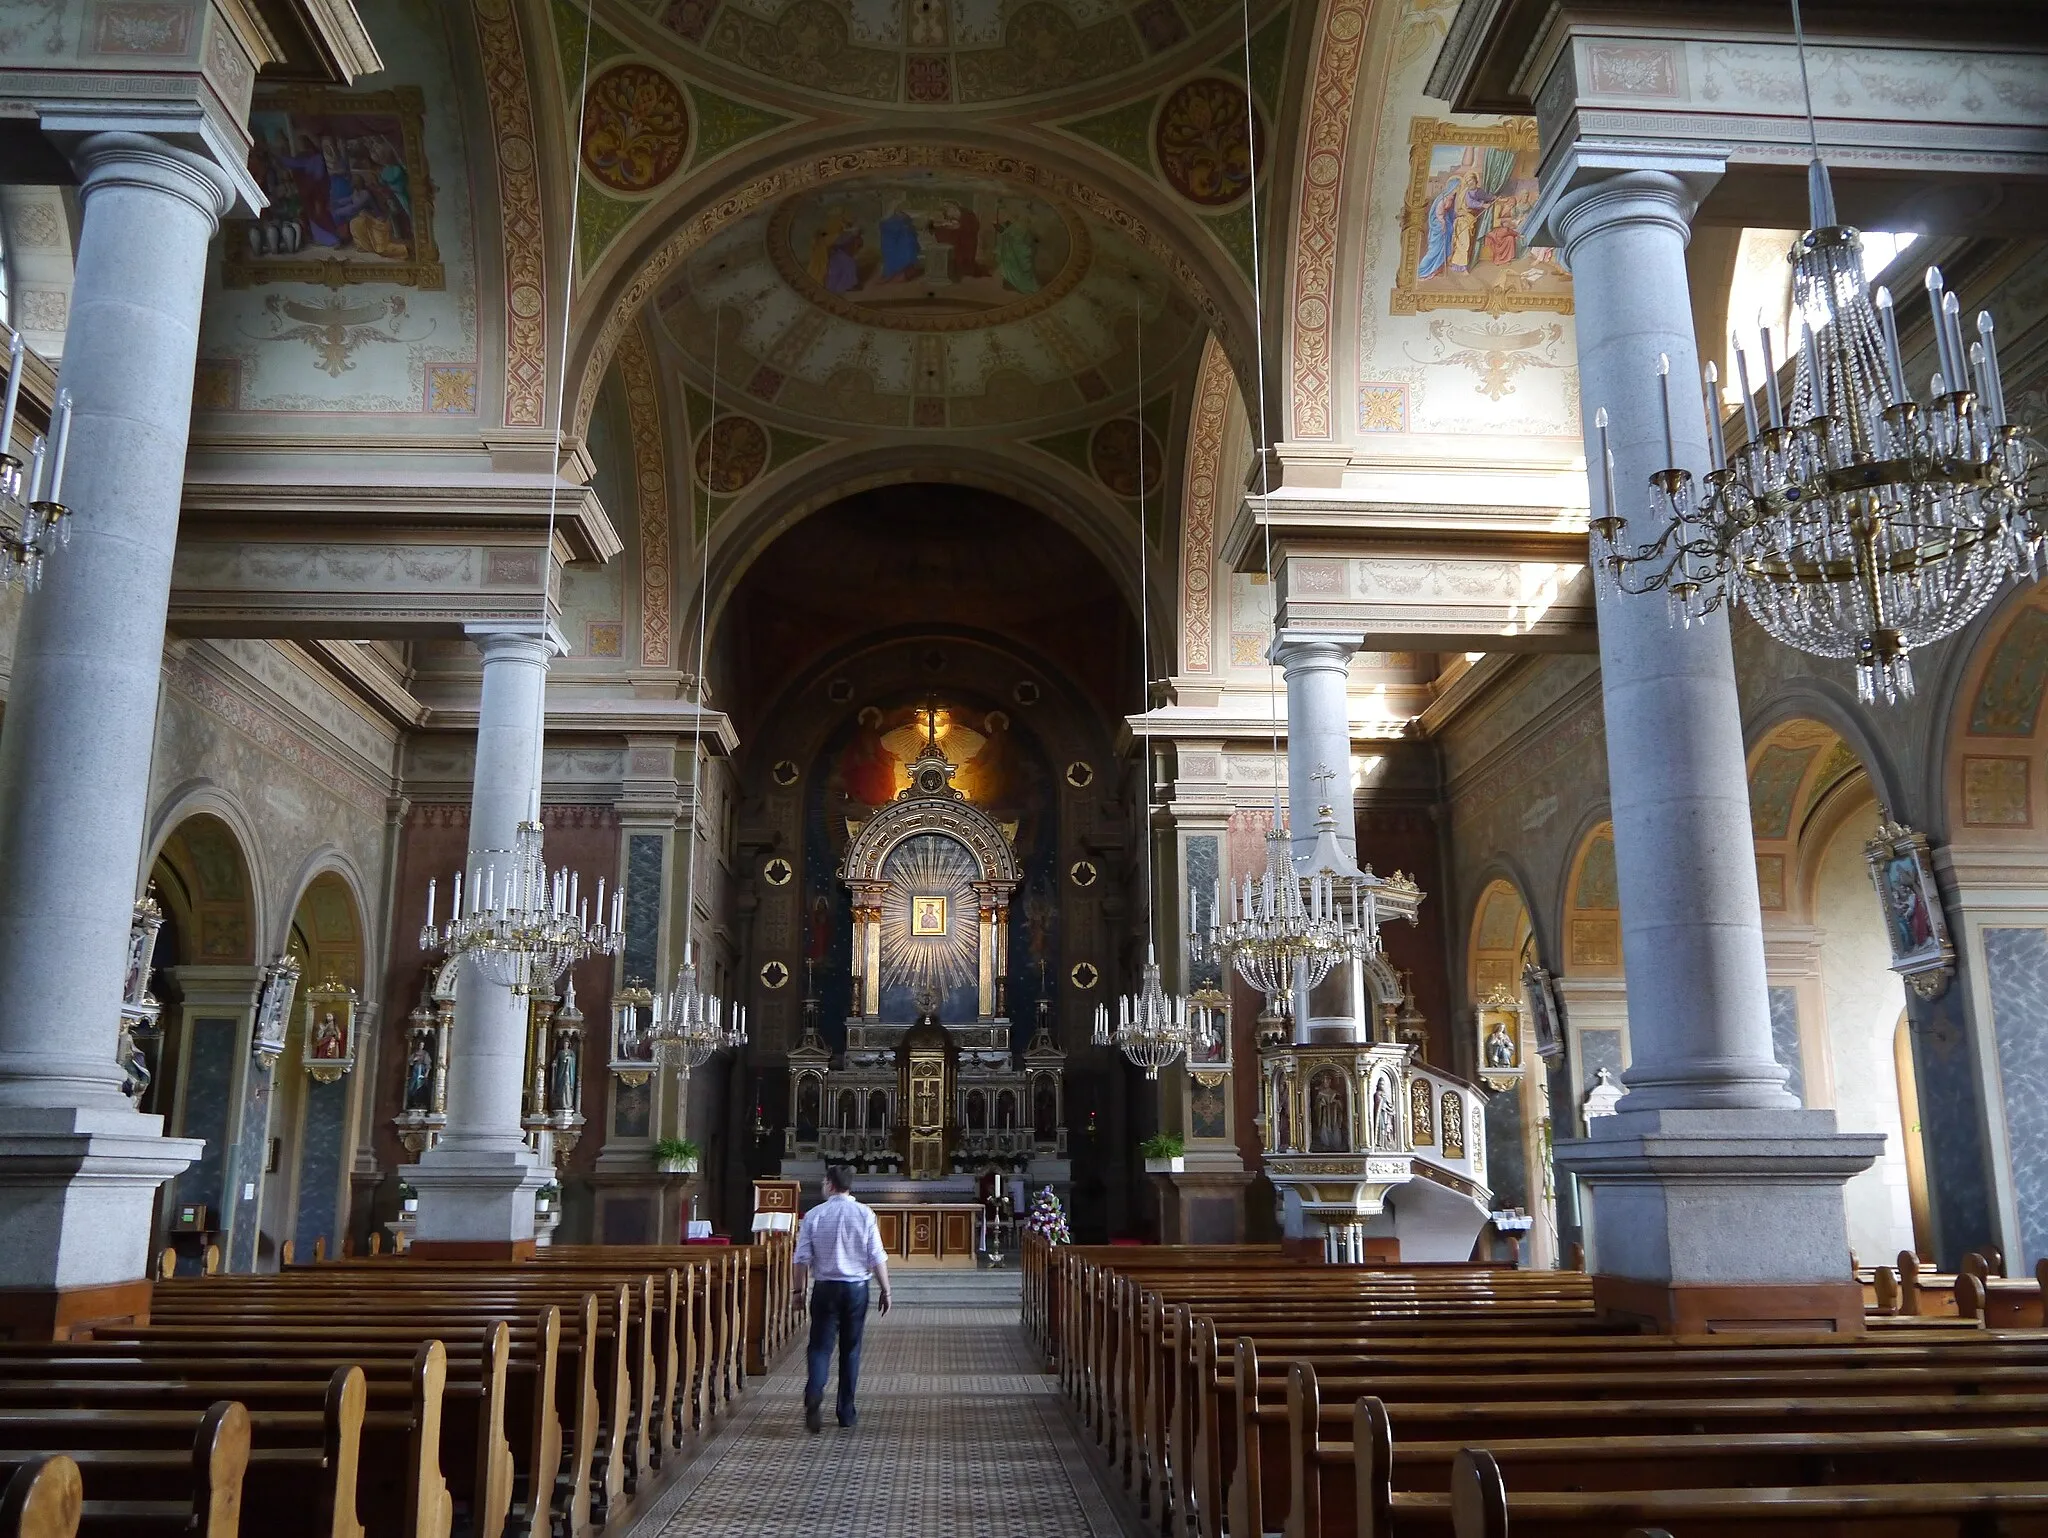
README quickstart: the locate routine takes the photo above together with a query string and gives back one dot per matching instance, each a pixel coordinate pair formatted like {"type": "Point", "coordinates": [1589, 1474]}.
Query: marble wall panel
{"type": "Point", "coordinates": [1951, 1124]}
{"type": "Point", "coordinates": [323, 1141]}
{"type": "Point", "coordinates": [643, 907]}
{"type": "Point", "coordinates": [1507, 1166]}
{"type": "Point", "coordinates": [245, 1172]}
{"type": "Point", "coordinates": [209, 1080]}
{"type": "Point", "coordinates": [1785, 1039]}
{"type": "Point", "coordinates": [1597, 1050]}
{"type": "Point", "coordinates": [2016, 971]}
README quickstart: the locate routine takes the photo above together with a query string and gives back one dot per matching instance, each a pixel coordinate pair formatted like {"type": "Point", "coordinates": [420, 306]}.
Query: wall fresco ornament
{"type": "Point", "coordinates": [351, 195]}
{"type": "Point", "coordinates": [636, 128]}
{"type": "Point", "coordinates": [650, 476]}
{"type": "Point", "coordinates": [1198, 508]}
{"type": "Point", "coordinates": [1113, 454]}
{"type": "Point", "coordinates": [731, 453]}
{"type": "Point", "coordinates": [1201, 143]}
{"type": "Point", "coordinates": [526, 352]}
{"type": "Point", "coordinates": [1315, 227]}
{"type": "Point", "coordinates": [1471, 191]}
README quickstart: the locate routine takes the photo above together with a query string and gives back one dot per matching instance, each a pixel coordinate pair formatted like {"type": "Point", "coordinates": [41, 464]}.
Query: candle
{"type": "Point", "coordinates": [1606, 463]}
{"type": "Point", "coordinates": [1952, 330]}
{"type": "Point", "coordinates": [1748, 400]}
{"type": "Point", "coordinates": [13, 395]}
{"type": "Point", "coordinates": [1816, 389]}
{"type": "Point", "coordinates": [1889, 324]}
{"type": "Point", "coordinates": [36, 456]}
{"type": "Point", "coordinates": [430, 905]}
{"type": "Point", "coordinates": [61, 451]}
{"type": "Point", "coordinates": [1771, 403]}
{"type": "Point", "coordinates": [1664, 394]}
{"type": "Point", "coordinates": [1717, 447]}
{"type": "Point", "coordinates": [1989, 384]}
{"type": "Point", "coordinates": [1934, 295]}
{"type": "Point", "coordinates": [455, 907]}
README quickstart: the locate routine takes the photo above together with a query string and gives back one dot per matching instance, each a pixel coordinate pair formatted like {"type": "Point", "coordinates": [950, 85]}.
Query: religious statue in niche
{"type": "Point", "coordinates": [1329, 1113]}
{"type": "Point", "coordinates": [351, 199]}
{"type": "Point", "coordinates": [1386, 1119]}
{"type": "Point", "coordinates": [1901, 866]}
{"type": "Point", "coordinates": [1453, 1124]}
{"type": "Point", "coordinates": [562, 1075]}
{"type": "Point", "coordinates": [1500, 1047]}
{"type": "Point", "coordinates": [419, 1073]}
{"type": "Point", "coordinates": [807, 1108]}
{"type": "Point", "coordinates": [1500, 1038]}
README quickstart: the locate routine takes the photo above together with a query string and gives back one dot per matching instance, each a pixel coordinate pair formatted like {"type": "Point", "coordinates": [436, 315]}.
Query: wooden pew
{"type": "Point", "coordinates": [42, 1498]}
{"type": "Point", "coordinates": [167, 1472]}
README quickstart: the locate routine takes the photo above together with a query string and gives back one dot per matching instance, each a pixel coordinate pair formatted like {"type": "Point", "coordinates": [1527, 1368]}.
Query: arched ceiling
{"type": "Point", "coordinates": [927, 299]}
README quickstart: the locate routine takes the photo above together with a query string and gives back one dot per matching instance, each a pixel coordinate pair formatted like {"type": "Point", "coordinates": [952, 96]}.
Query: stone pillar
{"type": "Point", "coordinates": [1713, 1196]}
{"type": "Point", "coordinates": [476, 1183]}
{"type": "Point", "coordinates": [79, 1167]}
{"type": "Point", "coordinates": [1317, 668]}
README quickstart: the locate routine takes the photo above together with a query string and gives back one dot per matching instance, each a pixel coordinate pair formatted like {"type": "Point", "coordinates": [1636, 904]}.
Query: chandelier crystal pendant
{"type": "Point", "coordinates": [1855, 521]}
{"type": "Point", "coordinates": [32, 500]}
{"type": "Point", "coordinates": [690, 1025]}
{"type": "Point", "coordinates": [523, 925]}
{"type": "Point", "coordinates": [1153, 1027]}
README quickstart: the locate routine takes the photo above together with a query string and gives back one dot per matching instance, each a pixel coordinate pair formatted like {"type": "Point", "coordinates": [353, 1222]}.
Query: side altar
{"type": "Point", "coordinates": [929, 1098]}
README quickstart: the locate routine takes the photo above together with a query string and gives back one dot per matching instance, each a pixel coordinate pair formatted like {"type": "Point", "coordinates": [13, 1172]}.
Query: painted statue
{"type": "Point", "coordinates": [562, 1078]}
{"type": "Point", "coordinates": [1386, 1120]}
{"type": "Point", "coordinates": [1329, 1121]}
{"type": "Point", "coordinates": [419, 1076]}
{"type": "Point", "coordinates": [1500, 1047]}
{"type": "Point", "coordinates": [327, 1037]}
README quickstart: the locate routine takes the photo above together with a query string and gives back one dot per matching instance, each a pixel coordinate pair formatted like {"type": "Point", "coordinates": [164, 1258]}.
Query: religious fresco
{"type": "Point", "coordinates": [731, 453]}
{"type": "Point", "coordinates": [925, 299]}
{"type": "Point", "coordinates": [351, 194]}
{"type": "Point", "coordinates": [1001, 769]}
{"type": "Point", "coordinates": [636, 128]}
{"type": "Point", "coordinates": [1204, 150]}
{"type": "Point", "coordinates": [2009, 699]}
{"type": "Point", "coordinates": [1773, 785]}
{"type": "Point", "coordinates": [1471, 191]}
{"type": "Point", "coordinates": [928, 252]}
{"type": "Point", "coordinates": [1126, 457]}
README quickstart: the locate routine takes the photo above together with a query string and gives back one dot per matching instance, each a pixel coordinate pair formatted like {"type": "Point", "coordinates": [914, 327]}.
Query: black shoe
{"type": "Point", "coordinates": [814, 1419]}
{"type": "Point", "coordinates": [849, 1420]}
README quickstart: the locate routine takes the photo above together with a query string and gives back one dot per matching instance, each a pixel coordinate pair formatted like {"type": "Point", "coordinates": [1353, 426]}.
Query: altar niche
{"type": "Point", "coordinates": [929, 1090]}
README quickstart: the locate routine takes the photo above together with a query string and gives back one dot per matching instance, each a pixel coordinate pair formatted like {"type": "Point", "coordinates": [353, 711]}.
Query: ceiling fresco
{"type": "Point", "coordinates": [925, 53]}
{"type": "Point", "coordinates": [926, 299]}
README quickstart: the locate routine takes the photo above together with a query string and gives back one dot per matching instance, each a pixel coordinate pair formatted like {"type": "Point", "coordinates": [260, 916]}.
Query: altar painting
{"type": "Point", "coordinates": [1465, 223]}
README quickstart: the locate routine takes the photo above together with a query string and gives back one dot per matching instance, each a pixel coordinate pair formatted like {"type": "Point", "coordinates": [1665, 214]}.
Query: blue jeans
{"type": "Point", "coordinates": [839, 1310]}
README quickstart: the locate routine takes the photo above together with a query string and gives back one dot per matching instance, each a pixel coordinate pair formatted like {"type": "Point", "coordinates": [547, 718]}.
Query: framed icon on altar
{"type": "Point", "coordinates": [927, 915]}
{"type": "Point", "coordinates": [1902, 869]}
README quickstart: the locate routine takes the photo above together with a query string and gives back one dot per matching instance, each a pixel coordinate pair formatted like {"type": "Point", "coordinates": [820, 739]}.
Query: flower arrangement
{"type": "Point", "coordinates": [1048, 1219]}
{"type": "Point", "coordinates": [1162, 1145]}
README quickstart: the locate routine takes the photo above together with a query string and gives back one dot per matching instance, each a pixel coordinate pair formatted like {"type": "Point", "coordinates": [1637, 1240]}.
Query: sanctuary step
{"type": "Point", "coordinates": [956, 1289]}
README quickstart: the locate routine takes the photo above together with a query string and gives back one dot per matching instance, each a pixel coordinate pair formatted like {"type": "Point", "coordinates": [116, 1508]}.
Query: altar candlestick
{"type": "Point", "coordinates": [430, 904]}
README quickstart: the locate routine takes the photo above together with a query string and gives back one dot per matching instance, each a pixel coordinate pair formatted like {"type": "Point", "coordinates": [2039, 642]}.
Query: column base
{"type": "Point", "coordinates": [1201, 1206]}
{"type": "Point", "coordinates": [67, 1313]}
{"type": "Point", "coordinates": [476, 1197]}
{"type": "Point", "coordinates": [473, 1249]}
{"type": "Point", "coordinates": [77, 1192]}
{"type": "Point", "coordinates": [1719, 1308]}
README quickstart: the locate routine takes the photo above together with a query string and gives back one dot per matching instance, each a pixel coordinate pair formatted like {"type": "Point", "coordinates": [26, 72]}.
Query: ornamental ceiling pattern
{"type": "Point", "coordinates": [926, 53]}
{"type": "Point", "coordinates": [926, 298]}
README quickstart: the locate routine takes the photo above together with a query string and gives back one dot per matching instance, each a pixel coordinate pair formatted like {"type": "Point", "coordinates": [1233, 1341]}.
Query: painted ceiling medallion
{"type": "Point", "coordinates": [786, 771]}
{"type": "Point", "coordinates": [778, 871]}
{"type": "Point", "coordinates": [1084, 975]}
{"type": "Point", "coordinates": [928, 253]}
{"type": "Point", "coordinates": [774, 974]}
{"type": "Point", "coordinates": [731, 454]}
{"type": "Point", "coordinates": [636, 128]}
{"type": "Point", "coordinates": [1200, 141]}
{"type": "Point", "coordinates": [1113, 453]}
{"type": "Point", "coordinates": [1083, 873]}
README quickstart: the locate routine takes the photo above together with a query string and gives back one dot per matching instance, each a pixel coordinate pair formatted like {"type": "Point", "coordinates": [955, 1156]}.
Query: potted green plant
{"type": "Point", "coordinates": [1164, 1154]}
{"type": "Point", "coordinates": [677, 1156]}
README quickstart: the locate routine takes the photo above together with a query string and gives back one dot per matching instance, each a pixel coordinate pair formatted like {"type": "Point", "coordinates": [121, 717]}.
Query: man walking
{"type": "Point", "coordinates": [838, 1248]}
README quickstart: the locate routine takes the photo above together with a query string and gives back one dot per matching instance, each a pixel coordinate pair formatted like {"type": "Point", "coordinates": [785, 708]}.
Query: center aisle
{"type": "Point", "coordinates": [960, 1432]}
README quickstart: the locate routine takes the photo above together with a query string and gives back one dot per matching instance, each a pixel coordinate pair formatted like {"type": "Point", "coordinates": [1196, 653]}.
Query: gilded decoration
{"type": "Point", "coordinates": [1205, 152]}
{"type": "Point", "coordinates": [763, 191]}
{"type": "Point", "coordinates": [1471, 190]}
{"type": "Point", "coordinates": [1453, 1124]}
{"type": "Point", "coordinates": [1331, 88]}
{"type": "Point", "coordinates": [1114, 455]}
{"type": "Point", "coordinates": [1902, 869]}
{"type": "Point", "coordinates": [636, 128]}
{"type": "Point", "coordinates": [1198, 521]}
{"type": "Point", "coordinates": [526, 353]}
{"type": "Point", "coordinates": [2009, 699]}
{"type": "Point", "coordinates": [643, 416]}
{"type": "Point", "coordinates": [1774, 787]}
{"type": "Point", "coordinates": [1421, 1120]}
{"type": "Point", "coordinates": [1598, 886]}
{"type": "Point", "coordinates": [731, 454]}
{"type": "Point", "coordinates": [351, 194]}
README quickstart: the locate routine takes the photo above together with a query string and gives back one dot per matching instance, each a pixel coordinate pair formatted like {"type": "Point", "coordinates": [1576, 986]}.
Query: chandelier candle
{"type": "Point", "coordinates": [1888, 323]}
{"type": "Point", "coordinates": [1664, 396]}
{"type": "Point", "coordinates": [1710, 398]}
{"type": "Point", "coordinates": [1772, 405]}
{"type": "Point", "coordinates": [14, 351]}
{"type": "Point", "coordinates": [1748, 398]}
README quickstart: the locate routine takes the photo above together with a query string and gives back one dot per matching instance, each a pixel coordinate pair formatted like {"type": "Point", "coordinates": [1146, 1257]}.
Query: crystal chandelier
{"type": "Point", "coordinates": [690, 1025]}
{"type": "Point", "coordinates": [33, 507]}
{"type": "Point", "coordinates": [523, 925]}
{"type": "Point", "coordinates": [1153, 1027]}
{"type": "Point", "coordinates": [1855, 522]}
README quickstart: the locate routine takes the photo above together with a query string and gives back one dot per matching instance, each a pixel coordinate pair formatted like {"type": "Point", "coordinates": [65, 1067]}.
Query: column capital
{"type": "Point", "coordinates": [1298, 651]}
{"type": "Point", "coordinates": [1591, 185]}
{"type": "Point", "coordinates": [532, 643]}
{"type": "Point", "coordinates": [161, 150]}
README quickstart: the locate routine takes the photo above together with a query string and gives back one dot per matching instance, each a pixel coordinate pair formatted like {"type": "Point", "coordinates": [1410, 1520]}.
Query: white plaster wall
{"type": "Point", "coordinates": [1863, 999]}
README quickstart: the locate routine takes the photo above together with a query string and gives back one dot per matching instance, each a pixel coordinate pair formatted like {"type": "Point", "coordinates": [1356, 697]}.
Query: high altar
{"type": "Point", "coordinates": [929, 1097]}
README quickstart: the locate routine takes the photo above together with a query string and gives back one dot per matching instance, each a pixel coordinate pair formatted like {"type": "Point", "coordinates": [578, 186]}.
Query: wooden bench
{"type": "Point", "coordinates": [172, 1473]}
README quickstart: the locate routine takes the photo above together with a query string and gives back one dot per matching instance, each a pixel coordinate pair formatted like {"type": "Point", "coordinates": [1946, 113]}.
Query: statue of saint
{"type": "Point", "coordinates": [562, 1078]}
{"type": "Point", "coordinates": [1386, 1121]}
{"type": "Point", "coordinates": [1327, 1114]}
{"type": "Point", "coordinates": [327, 1037]}
{"type": "Point", "coordinates": [419, 1077]}
{"type": "Point", "coordinates": [1500, 1047]}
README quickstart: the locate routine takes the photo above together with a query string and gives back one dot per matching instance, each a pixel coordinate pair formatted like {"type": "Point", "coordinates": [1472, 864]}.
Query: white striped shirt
{"type": "Point", "coordinates": [839, 1241]}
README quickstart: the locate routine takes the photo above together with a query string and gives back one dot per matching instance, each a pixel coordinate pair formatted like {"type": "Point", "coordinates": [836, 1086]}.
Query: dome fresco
{"type": "Point", "coordinates": [925, 299]}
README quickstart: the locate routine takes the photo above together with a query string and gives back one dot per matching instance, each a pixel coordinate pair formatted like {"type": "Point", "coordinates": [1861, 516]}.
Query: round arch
{"type": "Point", "coordinates": [216, 898]}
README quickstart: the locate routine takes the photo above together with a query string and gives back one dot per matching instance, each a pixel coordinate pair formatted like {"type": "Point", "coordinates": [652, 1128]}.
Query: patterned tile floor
{"type": "Point", "coordinates": [959, 1434]}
